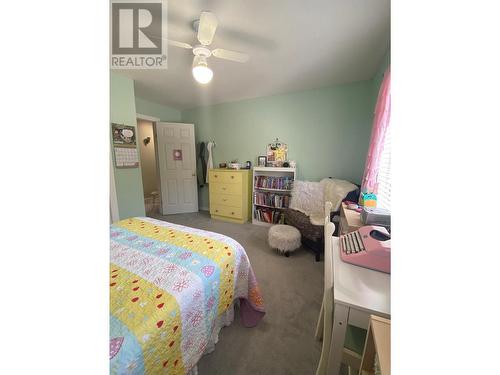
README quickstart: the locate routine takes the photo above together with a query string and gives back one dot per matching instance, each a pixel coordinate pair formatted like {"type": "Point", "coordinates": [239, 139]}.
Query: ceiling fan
{"type": "Point", "coordinates": [205, 27]}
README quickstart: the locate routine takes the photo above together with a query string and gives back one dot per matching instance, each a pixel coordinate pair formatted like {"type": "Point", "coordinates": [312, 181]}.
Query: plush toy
{"type": "Point", "coordinates": [368, 199]}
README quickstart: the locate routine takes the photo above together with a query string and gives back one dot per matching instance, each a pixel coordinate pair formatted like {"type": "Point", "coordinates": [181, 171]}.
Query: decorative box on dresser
{"type": "Point", "coordinates": [229, 194]}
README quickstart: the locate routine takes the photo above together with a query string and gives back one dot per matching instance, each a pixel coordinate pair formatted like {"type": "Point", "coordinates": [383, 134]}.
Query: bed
{"type": "Point", "coordinates": [172, 288]}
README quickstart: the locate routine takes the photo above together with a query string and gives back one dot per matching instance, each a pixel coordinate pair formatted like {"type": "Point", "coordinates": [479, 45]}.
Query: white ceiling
{"type": "Point", "coordinates": [293, 45]}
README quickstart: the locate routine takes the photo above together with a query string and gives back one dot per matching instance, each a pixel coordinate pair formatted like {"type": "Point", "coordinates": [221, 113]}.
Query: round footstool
{"type": "Point", "coordinates": [285, 238]}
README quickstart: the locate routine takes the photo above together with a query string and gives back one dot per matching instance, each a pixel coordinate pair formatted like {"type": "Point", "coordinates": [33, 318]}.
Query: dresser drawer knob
{"type": "Point", "coordinates": [215, 175]}
{"type": "Point", "coordinates": [224, 200]}
{"type": "Point", "coordinates": [232, 176]}
{"type": "Point", "coordinates": [216, 210]}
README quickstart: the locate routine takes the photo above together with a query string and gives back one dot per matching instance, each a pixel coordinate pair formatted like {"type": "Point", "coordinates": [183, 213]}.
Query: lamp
{"type": "Point", "coordinates": [201, 72]}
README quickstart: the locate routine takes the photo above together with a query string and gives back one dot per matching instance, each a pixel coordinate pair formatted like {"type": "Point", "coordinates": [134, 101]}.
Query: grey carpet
{"type": "Point", "coordinates": [283, 342]}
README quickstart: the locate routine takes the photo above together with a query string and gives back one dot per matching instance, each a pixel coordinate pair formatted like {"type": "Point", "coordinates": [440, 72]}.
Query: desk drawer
{"type": "Point", "coordinates": [225, 177]}
{"type": "Point", "coordinates": [233, 212]}
{"type": "Point", "coordinates": [221, 188]}
{"type": "Point", "coordinates": [226, 200]}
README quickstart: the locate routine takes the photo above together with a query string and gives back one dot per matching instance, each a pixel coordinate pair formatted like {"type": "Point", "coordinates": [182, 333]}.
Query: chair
{"type": "Point", "coordinates": [355, 336]}
{"type": "Point", "coordinates": [313, 235]}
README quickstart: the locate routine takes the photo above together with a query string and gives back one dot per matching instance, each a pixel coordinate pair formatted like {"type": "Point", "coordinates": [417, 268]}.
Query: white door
{"type": "Point", "coordinates": [177, 167]}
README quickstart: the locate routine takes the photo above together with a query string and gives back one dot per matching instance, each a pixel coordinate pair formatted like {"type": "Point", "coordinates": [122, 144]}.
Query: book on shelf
{"type": "Point", "coordinates": [270, 199]}
{"type": "Point", "coordinates": [269, 215]}
{"type": "Point", "coordinates": [271, 182]}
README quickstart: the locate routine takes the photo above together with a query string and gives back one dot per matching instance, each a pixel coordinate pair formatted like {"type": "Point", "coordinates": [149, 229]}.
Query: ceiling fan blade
{"type": "Point", "coordinates": [180, 44]}
{"type": "Point", "coordinates": [230, 55]}
{"type": "Point", "coordinates": [206, 28]}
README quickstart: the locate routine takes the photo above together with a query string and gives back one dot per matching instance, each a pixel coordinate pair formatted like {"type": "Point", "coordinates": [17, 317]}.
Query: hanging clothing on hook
{"type": "Point", "coordinates": [210, 163]}
{"type": "Point", "coordinates": [201, 166]}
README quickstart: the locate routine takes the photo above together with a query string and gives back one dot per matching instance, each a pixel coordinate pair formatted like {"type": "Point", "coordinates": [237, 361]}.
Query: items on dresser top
{"type": "Point", "coordinates": [229, 193]}
{"type": "Point", "coordinates": [235, 165]}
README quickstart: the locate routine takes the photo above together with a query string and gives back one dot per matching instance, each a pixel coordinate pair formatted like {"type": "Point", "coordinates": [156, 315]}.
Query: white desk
{"type": "Point", "coordinates": [357, 293]}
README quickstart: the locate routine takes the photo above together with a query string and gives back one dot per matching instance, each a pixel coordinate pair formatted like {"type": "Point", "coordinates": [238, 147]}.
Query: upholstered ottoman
{"type": "Point", "coordinates": [285, 238]}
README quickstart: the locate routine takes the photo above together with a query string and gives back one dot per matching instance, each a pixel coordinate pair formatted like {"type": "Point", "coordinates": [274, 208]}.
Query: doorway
{"type": "Point", "coordinates": [168, 166]}
{"type": "Point", "coordinates": [177, 167]}
{"type": "Point", "coordinates": [149, 167]}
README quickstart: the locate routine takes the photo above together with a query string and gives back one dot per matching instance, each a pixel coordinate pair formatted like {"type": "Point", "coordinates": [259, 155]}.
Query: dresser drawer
{"type": "Point", "coordinates": [226, 200]}
{"type": "Point", "coordinates": [232, 212]}
{"type": "Point", "coordinates": [225, 177]}
{"type": "Point", "coordinates": [221, 188]}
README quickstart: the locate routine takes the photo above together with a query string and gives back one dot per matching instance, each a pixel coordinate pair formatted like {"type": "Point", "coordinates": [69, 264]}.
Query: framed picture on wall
{"type": "Point", "coordinates": [277, 152]}
{"type": "Point", "coordinates": [262, 161]}
{"type": "Point", "coordinates": [123, 135]}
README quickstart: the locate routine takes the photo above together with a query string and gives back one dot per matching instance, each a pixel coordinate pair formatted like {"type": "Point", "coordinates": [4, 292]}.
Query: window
{"type": "Point", "coordinates": [384, 173]}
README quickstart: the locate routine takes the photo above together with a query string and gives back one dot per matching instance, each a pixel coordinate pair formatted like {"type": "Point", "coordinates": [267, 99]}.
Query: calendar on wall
{"type": "Point", "coordinates": [126, 157]}
{"type": "Point", "coordinates": [125, 146]}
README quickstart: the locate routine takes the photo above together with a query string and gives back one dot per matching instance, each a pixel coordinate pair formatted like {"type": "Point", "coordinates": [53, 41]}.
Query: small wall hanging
{"type": "Point", "coordinates": [177, 154]}
{"type": "Point", "coordinates": [277, 152]}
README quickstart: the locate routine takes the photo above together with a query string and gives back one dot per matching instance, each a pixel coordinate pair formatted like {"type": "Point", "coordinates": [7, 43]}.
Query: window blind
{"type": "Point", "coordinates": [384, 174]}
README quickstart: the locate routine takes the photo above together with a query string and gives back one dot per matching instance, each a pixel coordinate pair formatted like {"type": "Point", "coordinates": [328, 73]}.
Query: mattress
{"type": "Point", "coordinates": [169, 284]}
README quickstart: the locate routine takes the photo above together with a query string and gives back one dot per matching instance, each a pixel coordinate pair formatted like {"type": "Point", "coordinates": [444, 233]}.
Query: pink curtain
{"type": "Point", "coordinates": [381, 121]}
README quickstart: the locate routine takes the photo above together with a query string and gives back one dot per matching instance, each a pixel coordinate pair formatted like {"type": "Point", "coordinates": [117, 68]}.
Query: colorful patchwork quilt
{"type": "Point", "coordinates": [168, 284]}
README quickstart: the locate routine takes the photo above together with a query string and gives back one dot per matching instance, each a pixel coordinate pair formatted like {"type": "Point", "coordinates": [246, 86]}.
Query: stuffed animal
{"type": "Point", "coordinates": [368, 199]}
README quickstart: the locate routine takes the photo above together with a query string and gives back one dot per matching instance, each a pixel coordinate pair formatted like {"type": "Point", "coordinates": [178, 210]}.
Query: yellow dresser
{"type": "Point", "coordinates": [230, 192]}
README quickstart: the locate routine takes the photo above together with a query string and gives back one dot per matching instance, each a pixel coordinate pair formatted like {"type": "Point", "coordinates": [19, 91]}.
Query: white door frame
{"type": "Point", "coordinates": [154, 121]}
{"type": "Point", "coordinates": [147, 117]}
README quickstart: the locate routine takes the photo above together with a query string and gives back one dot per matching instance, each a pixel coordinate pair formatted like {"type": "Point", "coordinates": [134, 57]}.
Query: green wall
{"type": "Point", "coordinates": [128, 181]}
{"type": "Point", "coordinates": [327, 130]}
{"type": "Point", "coordinates": [164, 113]}
{"type": "Point", "coordinates": [377, 79]}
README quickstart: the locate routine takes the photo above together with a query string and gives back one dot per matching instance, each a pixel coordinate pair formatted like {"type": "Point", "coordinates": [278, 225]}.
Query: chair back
{"type": "Point", "coordinates": [325, 321]}
{"type": "Point", "coordinates": [328, 233]}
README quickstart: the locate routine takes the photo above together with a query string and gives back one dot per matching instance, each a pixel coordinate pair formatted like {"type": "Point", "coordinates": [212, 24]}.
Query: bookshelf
{"type": "Point", "coordinates": [271, 194]}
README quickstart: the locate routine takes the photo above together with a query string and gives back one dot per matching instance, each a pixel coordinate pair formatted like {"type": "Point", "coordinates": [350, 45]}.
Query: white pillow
{"type": "Point", "coordinates": [307, 197]}
{"type": "Point", "coordinates": [336, 190]}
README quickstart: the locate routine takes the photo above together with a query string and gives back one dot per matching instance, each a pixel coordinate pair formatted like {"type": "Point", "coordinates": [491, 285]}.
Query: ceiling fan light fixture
{"type": "Point", "coordinates": [201, 72]}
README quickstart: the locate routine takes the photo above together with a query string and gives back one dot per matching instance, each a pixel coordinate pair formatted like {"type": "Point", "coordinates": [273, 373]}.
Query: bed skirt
{"type": "Point", "coordinates": [224, 320]}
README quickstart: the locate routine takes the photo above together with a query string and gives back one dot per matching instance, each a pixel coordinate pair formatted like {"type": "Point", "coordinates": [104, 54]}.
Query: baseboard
{"type": "Point", "coordinates": [204, 209]}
